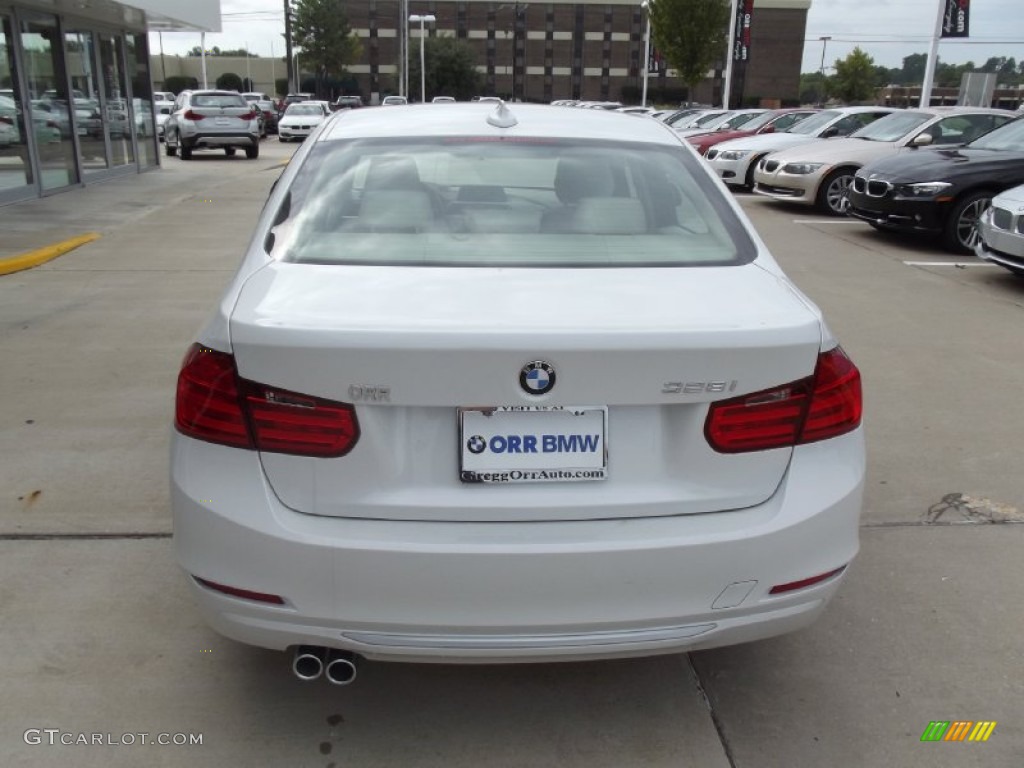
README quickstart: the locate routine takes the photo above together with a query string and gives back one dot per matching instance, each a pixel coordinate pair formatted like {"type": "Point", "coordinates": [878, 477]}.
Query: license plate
{"type": "Point", "coordinates": [533, 444]}
{"type": "Point", "coordinates": [222, 121]}
{"type": "Point", "coordinates": [80, 131]}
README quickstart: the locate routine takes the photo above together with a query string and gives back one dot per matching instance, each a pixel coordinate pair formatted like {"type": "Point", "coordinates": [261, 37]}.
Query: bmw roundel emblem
{"type": "Point", "coordinates": [476, 444]}
{"type": "Point", "coordinates": [537, 378]}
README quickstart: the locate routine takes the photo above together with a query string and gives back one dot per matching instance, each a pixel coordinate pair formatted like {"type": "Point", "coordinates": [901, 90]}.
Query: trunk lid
{"type": "Point", "coordinates": [411, 346]}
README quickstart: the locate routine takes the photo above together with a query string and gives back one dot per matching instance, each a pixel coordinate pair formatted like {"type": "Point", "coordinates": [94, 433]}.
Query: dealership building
{"type": "Point", "coordinates": [586, 49]}
{"type": "Point", "coordinates": [75, 89]}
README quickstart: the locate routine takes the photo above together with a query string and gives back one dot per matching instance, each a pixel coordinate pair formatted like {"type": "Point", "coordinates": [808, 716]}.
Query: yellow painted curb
{"type": "Point", "coordinates": [43, 255]}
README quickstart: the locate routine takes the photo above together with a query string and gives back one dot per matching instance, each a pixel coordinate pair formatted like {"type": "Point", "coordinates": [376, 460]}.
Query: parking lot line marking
{"type": "Point", "coordinates": [960, 264]}
{"type": "Point", "coordinates": [42, 255]}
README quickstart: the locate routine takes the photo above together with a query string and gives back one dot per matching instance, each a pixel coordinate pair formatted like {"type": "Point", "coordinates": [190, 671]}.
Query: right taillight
{"type": "Point", "coordinates": [821, 406]}
{"type": "Point", "coordinates": [216, 405]}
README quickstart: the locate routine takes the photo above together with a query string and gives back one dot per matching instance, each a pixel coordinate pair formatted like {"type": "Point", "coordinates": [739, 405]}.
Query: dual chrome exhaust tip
{"type": "Point", "coordinates": [311, 661]}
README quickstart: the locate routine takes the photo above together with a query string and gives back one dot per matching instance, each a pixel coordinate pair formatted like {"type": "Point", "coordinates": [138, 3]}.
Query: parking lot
{"type": "Point", "coordinates": [100, 636]}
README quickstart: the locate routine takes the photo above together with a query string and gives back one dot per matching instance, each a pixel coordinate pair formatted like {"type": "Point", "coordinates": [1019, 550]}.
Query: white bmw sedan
{"type": "Point", "coordinates": [495, 384]}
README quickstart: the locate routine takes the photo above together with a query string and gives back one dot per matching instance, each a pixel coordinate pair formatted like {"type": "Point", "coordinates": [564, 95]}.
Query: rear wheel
{"type": "Point", "coordinates": [229, 151]}
{"type": "Point", "coordinates": [961, 231]}
{"type": "Point", "coordinates": [169, 149]}
{"type": "Point", "coordinates": [253, 151]}
{"type": "Point", "coordinates": [186, 151]}
{"type": "Point", "coordinates": [833, 194]}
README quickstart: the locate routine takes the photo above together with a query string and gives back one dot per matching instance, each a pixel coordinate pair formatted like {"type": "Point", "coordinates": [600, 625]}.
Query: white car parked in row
{"type": "Point", "coordinates": [510, 383]}
{"type": "Point", "coordinates": [820, 174]}
{"type": "Point", "coordinates": [300, 119]}
{"type": "Point", "coordinates": [735, 160]}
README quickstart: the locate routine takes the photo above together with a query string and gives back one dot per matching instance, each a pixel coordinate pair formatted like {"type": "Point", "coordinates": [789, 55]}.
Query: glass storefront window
{"type": "Point", "coordinates": [116, 116]}
{"type": "Point", "coordinates": [15, 168]}
{"type": "Point", "coordinates": [142, 102]}
{"type": "Point", "coordinates": [49, 104]}
{"type": "Point", "coordinates": [80, 57]}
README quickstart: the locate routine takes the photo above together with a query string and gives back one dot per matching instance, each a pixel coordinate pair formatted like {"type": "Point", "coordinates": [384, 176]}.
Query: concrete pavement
{"type": "Point", "coordinates": [99, 634]}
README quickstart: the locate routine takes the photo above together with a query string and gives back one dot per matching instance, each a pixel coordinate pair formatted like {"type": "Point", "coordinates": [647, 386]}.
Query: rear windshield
{"type": "Point", "coordinates": [506, 202]}
{"type": "Point", "coordinates": [218, 100]}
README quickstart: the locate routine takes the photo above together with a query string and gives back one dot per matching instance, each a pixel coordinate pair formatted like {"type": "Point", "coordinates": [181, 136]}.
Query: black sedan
{"type": "Point", "coordinates": [940, 192]}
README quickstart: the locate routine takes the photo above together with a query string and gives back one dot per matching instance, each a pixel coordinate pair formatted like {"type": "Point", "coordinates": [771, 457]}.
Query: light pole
{"type": "Point", "coordinates": [422, 19]}
{"type": "Point", "coordinates": [824, 46]}
{"type": "Point", "coordinates": [646, 6]}
{"type": "Point", "coordinates": [727, 87]}
{"type": "Point", "coordinates": [403, 52]}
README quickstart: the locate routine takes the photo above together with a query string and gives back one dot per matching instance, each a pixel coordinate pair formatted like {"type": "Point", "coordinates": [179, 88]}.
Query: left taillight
{"type": "Point", "coordinates": [214, 404]}
{"type": "Point", "coordinates": [827, 404]}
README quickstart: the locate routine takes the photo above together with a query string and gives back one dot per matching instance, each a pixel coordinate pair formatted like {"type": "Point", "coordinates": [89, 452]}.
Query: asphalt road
{"type": "Point", "coordinates": [98, 634]}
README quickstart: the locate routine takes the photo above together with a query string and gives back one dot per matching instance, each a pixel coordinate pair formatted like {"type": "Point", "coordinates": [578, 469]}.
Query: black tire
{"type": "Point", "coordinates": [832, 198]}
{"type": "Point", "coordinates": [186, 152]}
{"type": "Point", "coordinates": [229, 151]}
{"type": "Point", "coordinates": [170, 150]}
{"type": "Point", "coordinates": [961, 231]}
{"type": "Point", "coordinates": [252, 151]}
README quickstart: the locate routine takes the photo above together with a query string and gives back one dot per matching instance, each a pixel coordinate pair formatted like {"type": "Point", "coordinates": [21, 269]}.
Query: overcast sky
{"type": "Point", "coordinates": [887, 29]}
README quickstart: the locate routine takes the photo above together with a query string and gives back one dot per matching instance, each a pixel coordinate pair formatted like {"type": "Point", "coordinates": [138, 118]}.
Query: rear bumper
{"type": "Point", "coordinates": [198, 140]}
{"type": "Point", "coordinates": [501, 592]}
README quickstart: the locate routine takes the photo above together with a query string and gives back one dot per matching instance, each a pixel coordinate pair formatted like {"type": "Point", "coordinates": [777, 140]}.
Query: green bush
{"type": "Point", "coordinates": [178, 83]}
{"type": "Point", "coordinates": [630, 94]}
{"type": "Point", "coordinates": [229, 81]}
{"type": "Point", "coordinates": [281, 87]}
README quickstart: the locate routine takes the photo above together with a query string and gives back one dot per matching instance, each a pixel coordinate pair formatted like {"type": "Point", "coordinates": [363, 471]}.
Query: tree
{"type": "Point", "coordinates": [451, 69]}
{"type": "Point", "coordinates": [913, 68]}
{"type": "Point", "coordinates": [216, 51]}
{"type": "Point", "coordinates": [813, 88]}
{"type": "Point", "coordinates": [690, 34]}
{"type": "Point", "coordinates": [321, 29]}
{"type": "Point", "coordinates": [229, 81]}
{"type": "Point", "coordinates": [855, 77]}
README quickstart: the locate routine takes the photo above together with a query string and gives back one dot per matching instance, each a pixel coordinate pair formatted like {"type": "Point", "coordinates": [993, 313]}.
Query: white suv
{"type": "Point", "coordinates": [212, 120]}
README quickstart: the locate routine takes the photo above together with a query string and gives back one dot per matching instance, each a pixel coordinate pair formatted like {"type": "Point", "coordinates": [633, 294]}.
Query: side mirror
{"type": "Point", "coordinates": [828, 134]}
{"type": "Point", "coordinates": [921, 140]}
{"type": "Point", "coordinates": [769, 129]}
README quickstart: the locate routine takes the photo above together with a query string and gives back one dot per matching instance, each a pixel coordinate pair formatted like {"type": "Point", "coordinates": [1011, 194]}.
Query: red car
{"type": "Point", "coordinates": [770, 122]}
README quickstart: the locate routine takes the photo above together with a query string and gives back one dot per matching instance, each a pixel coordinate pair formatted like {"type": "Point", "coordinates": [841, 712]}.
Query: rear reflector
{"type": "Point", "coordinates": [804, 583]}
{"type": "Point", "coordinates": [216, 405]}
{"type": "Point", "coordinates": [821, 406]}
{"type": "Point", "coordinates": [245, 594]}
